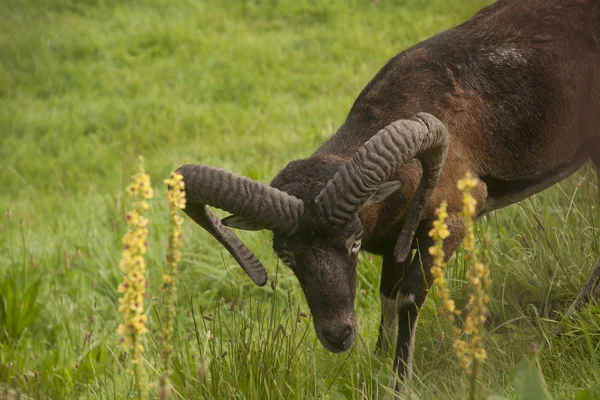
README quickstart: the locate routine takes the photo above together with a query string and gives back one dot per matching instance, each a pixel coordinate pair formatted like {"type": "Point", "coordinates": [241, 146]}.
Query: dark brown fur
{"type": "Point", "coordinates": [518, 88]}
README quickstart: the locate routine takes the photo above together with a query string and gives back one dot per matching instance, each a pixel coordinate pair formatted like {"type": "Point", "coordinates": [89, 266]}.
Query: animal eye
{"type": "Point", "coordinates": [356, 245]}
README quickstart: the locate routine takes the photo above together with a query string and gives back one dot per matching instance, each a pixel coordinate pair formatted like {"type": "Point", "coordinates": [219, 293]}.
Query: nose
{"type": "Point", "coordinates": [340, 339]}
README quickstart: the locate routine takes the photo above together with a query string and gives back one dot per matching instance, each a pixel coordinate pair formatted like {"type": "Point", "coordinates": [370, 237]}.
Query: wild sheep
{"type": "Point", "coordinates": [511, 95]}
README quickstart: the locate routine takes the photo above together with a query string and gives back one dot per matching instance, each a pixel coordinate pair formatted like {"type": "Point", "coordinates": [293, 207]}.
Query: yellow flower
{"type": "Point", "coordinates": [449, 306]}
{"type": "Point", "coordinates": [176, 198]}
{"type": "Point", "coordinates": [461, 348]}
{"type": "Point", "coordinates": [176, 193]}
{"type": "Point", "coordinates": [443, 233]}
{"type": "Point", "coordinates": [133, 286]}
{"type": "Point", "coordinates": [439, 232]}
{"type": "Point", "coordinates": [469, 204]}
{"type": "Point", "coordinates": [441, 212]}
{"type": "Point", "coordinates": [480, 354]}
{"type": "Point", "coordinates": [471, 352]}
{"type": "Point", "coordinates": [467, 183]}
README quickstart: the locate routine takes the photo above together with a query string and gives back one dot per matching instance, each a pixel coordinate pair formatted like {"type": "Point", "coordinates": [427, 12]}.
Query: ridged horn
{"type": "Point", "coordinates": [269, 207]}
{"type": "Point", "coordinates": [423, 137]}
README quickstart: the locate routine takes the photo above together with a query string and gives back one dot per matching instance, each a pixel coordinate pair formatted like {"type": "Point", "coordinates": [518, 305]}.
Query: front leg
{"type": "Point", "coordinates": [590, 291]}
{"type": "Point", "coordinates": [391, 276]}
{"type": "Point", "coordinates": [411, 291]}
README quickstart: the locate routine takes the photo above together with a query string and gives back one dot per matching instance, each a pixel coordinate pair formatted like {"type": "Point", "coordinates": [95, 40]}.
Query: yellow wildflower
{"type": "Point", "coordinates": [176, 198]}
{"type": "Point", "coordinates": [438, 233]}
{"type": "Point", "coordinates": [469, 203]}
{"type": "Point", "coordinates": [461, 349]}
{"type": "Point", "coordinates": [480, 354]}
{"type": "Point", "coordinates": [133, 286]}
{"type": "Point", "coordinates": [467, 183]}
{"type": "Point", "coordinates": [471, 352]}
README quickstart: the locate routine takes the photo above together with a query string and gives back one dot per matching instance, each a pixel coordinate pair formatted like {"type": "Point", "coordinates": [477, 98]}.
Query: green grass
{"type": "Point", "coordinates": [87, 85]}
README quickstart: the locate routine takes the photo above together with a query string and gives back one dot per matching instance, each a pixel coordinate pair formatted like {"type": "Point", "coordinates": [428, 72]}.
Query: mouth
{"type": "Point", "coordinates": [338, 339]}
{"type": "Point", "coordinates": [336, 347]}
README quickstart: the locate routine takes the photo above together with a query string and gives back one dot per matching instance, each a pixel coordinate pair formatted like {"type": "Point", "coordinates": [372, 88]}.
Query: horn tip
{"type": "Point", "coordinates": [261, 280]}
{"type": "Point", "coordinates": [401, 252]}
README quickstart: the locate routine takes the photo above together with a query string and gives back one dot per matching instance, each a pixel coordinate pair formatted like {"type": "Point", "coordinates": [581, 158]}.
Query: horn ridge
{"type": "Point", "coordinates": [276, 210]}
{"type": "Point", "coordinates": [273, 209]}
{"type": "Point", "coordinates": [423, 137]}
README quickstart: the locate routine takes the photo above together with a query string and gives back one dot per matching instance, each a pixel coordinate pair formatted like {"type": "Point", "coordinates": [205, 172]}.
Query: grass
{"type": "Point", "coordinates": [88, 85]}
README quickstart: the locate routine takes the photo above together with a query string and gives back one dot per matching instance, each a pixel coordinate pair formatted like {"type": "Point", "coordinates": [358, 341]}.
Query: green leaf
{"type": "Point", "coordinates": [18, 309]}
{"type": "Point", "coordinates": [528, 382]}
{"type": "Point", "coordinates": [30, 317]}
{"type": "Point", "coordinates": [30, 296]}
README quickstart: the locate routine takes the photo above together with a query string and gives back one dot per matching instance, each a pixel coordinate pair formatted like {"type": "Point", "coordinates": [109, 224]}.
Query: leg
{"type": "Point", "coordinates": [391, 275]}
{"type": "Point", "coordinates": [413, 289]}
{"type": "Point", "coordinates": [590, 290]}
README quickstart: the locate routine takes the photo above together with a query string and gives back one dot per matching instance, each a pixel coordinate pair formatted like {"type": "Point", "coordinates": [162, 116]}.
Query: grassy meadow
{"type": "Point", "coordinates": [88, 85]}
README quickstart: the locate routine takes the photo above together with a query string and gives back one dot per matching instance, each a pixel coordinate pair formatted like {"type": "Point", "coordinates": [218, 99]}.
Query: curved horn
{"type": "Point", "coordinates": [269, 207]}
{"type": "Point", "coordinates": [423, 137]}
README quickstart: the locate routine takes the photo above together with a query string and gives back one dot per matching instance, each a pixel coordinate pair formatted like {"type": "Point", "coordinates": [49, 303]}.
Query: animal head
{"type": "Point", "coordinates": [312, 209]}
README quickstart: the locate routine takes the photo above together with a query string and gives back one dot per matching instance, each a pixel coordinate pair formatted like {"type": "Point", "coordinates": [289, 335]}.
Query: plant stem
{"type": "Point", "coordinates": [140, 376]}
{"type": "Point", "coordinates": [474, 372]}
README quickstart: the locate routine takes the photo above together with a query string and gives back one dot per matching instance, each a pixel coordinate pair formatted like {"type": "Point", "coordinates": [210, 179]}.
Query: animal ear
{"type": "Point", "coordinates": [383, 192]}
{"type": "Point", "coordinates": [247, 224]}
